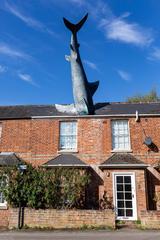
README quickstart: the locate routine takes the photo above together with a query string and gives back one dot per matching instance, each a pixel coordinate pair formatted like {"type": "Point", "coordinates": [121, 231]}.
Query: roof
{"type": "Point", "coordinates": [9, 159]}
{"type": "Point", "coordinates": [123, 160]}
{"type": "Point", "coordinates": [65, 160]}
{"type": "Point", "coordinates": [29, 111]}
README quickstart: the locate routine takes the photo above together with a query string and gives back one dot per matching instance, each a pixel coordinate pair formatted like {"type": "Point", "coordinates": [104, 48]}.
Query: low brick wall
{"type": "Point", "coordinates": [4, 218]}
{"type": "Point", "coordinates": [150, 219]}
{"type": "Point", "coordinates": [60, 219]}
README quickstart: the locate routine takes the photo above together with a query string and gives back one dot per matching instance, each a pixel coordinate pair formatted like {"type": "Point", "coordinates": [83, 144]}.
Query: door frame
{"type": "Point", "coordinates": [133, 177]}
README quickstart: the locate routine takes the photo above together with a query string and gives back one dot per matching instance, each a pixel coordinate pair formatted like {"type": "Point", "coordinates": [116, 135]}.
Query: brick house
{"type": "Point", "coordinates": [119, 144]}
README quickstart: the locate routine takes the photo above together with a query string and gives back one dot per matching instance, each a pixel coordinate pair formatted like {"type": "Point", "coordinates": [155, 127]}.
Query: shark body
{"type": "Point", "coordinates": [82, 89]}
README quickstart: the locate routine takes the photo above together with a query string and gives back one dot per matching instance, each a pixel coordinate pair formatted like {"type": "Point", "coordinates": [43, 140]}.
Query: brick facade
{"type": "Point", "coordinates": [37, 141]}
{"type": "Point", "coordinates": [150, 219]}
{"type": "Point", "coordinates": [61, 219]}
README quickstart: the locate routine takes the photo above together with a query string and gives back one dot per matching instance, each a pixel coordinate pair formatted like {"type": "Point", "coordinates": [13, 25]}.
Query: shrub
{"type": "Point", "coordinates": [45, 188]}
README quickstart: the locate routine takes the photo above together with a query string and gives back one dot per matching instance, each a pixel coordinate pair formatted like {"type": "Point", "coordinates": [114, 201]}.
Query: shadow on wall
{"type": "Point", "coordinates": [92, 190]}
{"type": "Point", "coordinates": [152, 182]}
{"type": "Point", "coordinates": [153, 147]}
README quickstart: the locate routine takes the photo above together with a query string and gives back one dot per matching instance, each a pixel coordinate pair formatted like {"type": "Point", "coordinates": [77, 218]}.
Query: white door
{"type": "Point", "coordinates": [125, 196]}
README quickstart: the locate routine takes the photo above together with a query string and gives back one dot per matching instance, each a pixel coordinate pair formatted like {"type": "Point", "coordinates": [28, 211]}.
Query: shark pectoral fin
{"type": "Point", "coordinates": [68, 58]}
{"type": "Point", "coordinates": [93, 87]}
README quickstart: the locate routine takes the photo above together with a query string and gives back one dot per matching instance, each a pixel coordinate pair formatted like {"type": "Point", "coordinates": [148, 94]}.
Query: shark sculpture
{"type": "Point", "coordinates": [82, 90]}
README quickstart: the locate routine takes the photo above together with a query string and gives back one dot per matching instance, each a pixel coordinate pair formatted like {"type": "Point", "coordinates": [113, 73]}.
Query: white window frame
{"type": "Point", "coordinates": [0, 131]}
{"type": "Point", "coordinates": [129, 142]}
{"type": "Point", "coordinates": [4, 204]}
{"type": "Point", "coordinates": [65, 149]}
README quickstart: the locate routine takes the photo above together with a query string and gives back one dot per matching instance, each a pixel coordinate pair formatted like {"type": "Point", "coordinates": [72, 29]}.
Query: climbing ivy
{"type": "Point", "coordinates": [59, 188]}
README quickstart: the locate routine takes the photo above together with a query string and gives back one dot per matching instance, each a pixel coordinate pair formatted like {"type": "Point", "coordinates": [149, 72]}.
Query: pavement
{"type": "Point", "coordinates": [81, 235]}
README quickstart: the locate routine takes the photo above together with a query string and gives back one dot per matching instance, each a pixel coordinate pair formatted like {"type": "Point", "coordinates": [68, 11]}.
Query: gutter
{"type": "Point", "coordinates": [124, 166]}
{"type": "Point", "coordinates": [66, 165]}
{"type": "Point", "coordinates": [97, 116]}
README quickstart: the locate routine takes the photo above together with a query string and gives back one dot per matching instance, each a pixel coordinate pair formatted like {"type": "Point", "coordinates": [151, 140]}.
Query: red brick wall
{"type": "Point", "coordinates": [52, 218]}
{"type": "Point", "coordinates": [4, 218]}
{"type": "Point", "coordinates": [37, 140]}
{"type": "Point", "coordinates": [141, 196]}
{"type": "Point", "coordinates": [150, 219]}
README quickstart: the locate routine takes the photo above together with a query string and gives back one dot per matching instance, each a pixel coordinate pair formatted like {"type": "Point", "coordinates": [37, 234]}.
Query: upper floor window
{"type": "Point", "coordinates": [68, 136]}
{"type": "Point", "coordinates": [120, 135]}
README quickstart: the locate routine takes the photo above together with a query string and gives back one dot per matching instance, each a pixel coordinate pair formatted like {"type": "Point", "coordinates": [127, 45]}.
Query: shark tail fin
{"type": "Point", "coordinates": [93, 87]}
{"type": "Point", "coordinates": [75, 27]}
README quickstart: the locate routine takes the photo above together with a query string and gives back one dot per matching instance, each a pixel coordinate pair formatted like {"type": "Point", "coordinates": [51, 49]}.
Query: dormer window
{"type": "Point", "coordinates": [68, 136]}
{"type": "Point", "coordinates": [120, 135]}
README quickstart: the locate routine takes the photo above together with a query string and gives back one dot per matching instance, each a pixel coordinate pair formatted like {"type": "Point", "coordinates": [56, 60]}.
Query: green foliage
{"type": "Point", "coordinates": [152, 96]}
{"type": "Point", "coordinates": [45, 188]}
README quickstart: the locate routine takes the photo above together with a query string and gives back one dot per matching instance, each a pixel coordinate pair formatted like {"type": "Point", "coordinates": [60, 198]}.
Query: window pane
{"type": "Point", "coordinates": [128, 204]}
{"type": "Point", "coordinates": [120, 212]}
{"type": "Point", "coordinates": [120, 195]}
{"type": "Point", "coordinates": [128, 195]}
{"type": "Point", "coordinates": [68, 135]}
{"type": "Point", "coordinates": [120, 135]}
{"type": "Point", "coordinates": [120, 204]}
{"type": "Point", "coordinates": [127, 187]}
{"type": "Point", "coordinates": [119, 187]}
{"type": "Point", "coordinates": [119, 179]}
{"type": "Point", "coordinates": [129, 213]}
{"type": "Point", "coordinates": [127, 179]}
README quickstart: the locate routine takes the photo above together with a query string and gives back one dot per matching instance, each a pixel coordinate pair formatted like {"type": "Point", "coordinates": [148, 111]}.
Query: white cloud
{"type": "Point", "coordinates": [91, 65]}
{"type": "Point", "coordinates": [12, 52]}
{"type": "Point", "coordinates": [27, 78]}
{"type": "Point", "coordinates": [124, 75]}
{"type": "Point", "coordinates": [28, 20]}
{"type": "Point", "coordinates": [113, 27]}
{"type": "Point", "coordinates": [121, 30]}
{"type": "Point", "coordinates": [78, 2]}
{"type": "Point", "coordinates": [3, 69]}
{"type": "Point", "coordinates": [155, 54]}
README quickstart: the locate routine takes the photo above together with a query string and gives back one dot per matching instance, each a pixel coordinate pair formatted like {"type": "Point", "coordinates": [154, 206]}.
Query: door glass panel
{"type": "Point", "coordinates": [119, 179]}
{"type": "Point", "coordinates": [127, 187]}
{"type": "Point", "coordinates": [128, 204]}
{"type": "Point", "coordinates": [129, 212]}
{"type": "Point", "coordinates": [120, 195]}
{"type": "Point", "coordinates": [120, 212]}
{"type": "Point", "coordinates": [120, 204]}
{"type": "Point", "coordinates": [128, 195]}
{"type": "Point", "coordinates": [127, 179]}
{"type": "Point", "coordinates": [119, 187]}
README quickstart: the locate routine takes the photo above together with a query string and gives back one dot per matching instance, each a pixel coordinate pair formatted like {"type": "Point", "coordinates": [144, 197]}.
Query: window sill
{"type": "Point", "coordinates": [121, 151]}
{"type": "Point", "coordinates": [3, 207]}
{"type": "Point", "coordinates": [67, 151]}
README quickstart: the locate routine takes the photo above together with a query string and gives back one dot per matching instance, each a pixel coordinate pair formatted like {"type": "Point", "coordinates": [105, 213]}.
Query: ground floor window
{"type": "Point", "coordinates": [2, 198]}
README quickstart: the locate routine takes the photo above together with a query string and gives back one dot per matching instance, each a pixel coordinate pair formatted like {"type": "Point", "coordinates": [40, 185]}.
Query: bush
{"type": "Point", "coordinates": [45, 188]}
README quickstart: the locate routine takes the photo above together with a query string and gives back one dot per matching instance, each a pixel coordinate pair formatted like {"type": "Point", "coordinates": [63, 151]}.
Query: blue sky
{"type": "Point", "coordinates": [119, 46]}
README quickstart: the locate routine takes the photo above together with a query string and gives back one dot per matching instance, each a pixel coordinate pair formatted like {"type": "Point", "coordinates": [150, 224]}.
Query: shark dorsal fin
{"type": "Point", "coordinates": [93, 87]}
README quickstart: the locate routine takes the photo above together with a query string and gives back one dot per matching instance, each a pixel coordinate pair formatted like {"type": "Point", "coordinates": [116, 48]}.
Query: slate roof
{"type": "Point", "coordinates": [65, 160]}
{"type": "Point", "coordinates": [9, 159]}
{"type": "Point", "coordinates": [28, 111]}
{"type": "Point", "coordinates": [120, 160]}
